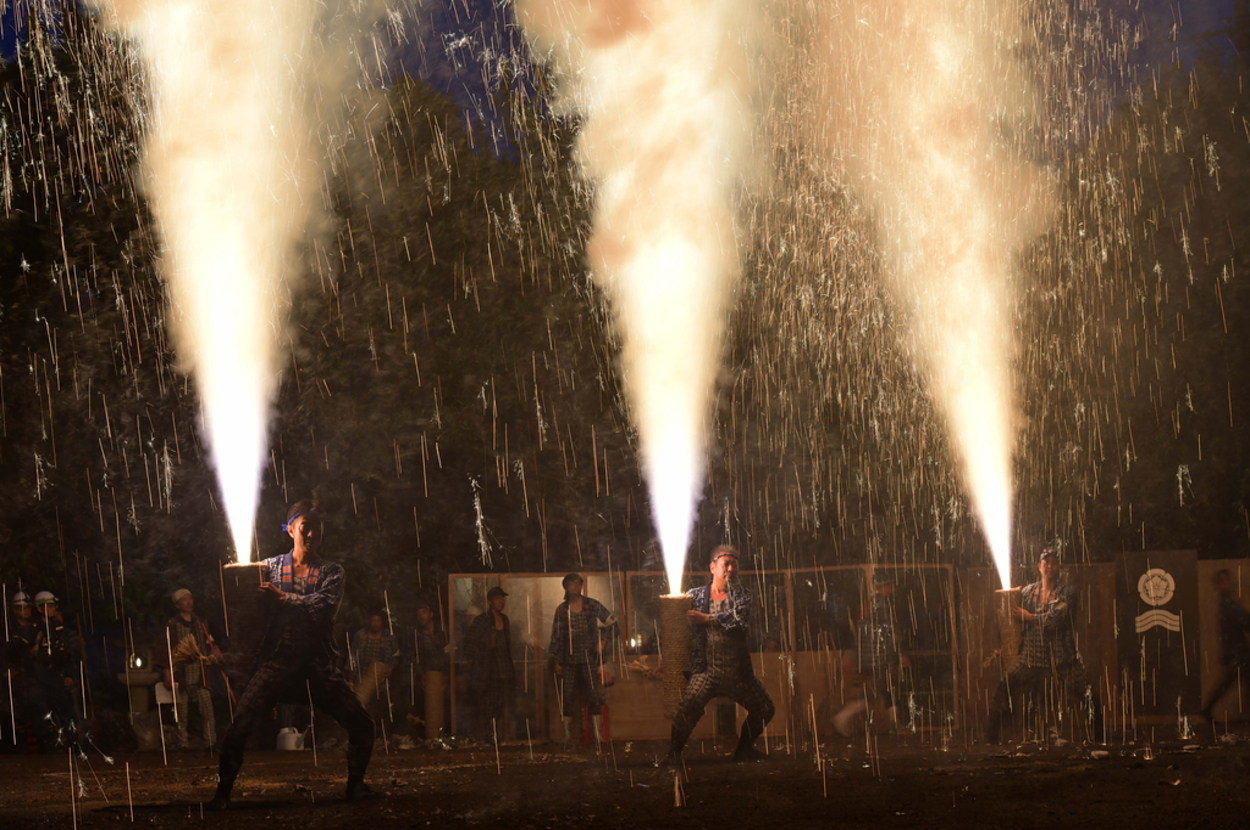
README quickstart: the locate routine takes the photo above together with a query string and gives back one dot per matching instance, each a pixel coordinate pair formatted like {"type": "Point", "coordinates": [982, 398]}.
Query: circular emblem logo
{"type": "Point", "coordinates": [1156, 586]}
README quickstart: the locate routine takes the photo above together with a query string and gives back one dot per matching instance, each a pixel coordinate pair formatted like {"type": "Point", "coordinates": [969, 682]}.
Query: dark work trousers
{"type": "Point", "coordinates": [50, 705]}
{"type": "Point", "coordinates": [1233, 672]}
{"type": "Point", "coordinates": [1070, 691]}
{"type": "Point", "coordinates": [745, 690]}
{"type": "Point", "coordinates": [287, 678]}
{"type": "Point", "coordinates": [579, 683]}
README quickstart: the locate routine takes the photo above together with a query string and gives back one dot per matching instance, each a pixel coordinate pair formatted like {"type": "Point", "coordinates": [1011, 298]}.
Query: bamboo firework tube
{"type": "Point", "coordinates": [1005, 603]}
{"type": "Point", "coordinates": [674, 649]}
{"type": "Point", "coordinates": [246, 607]}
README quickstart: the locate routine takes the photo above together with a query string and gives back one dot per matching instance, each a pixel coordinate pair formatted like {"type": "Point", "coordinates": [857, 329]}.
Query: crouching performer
{"type": "Point", "coordinates": [297, 655]}
{"type": "Point", "coordinates": [720, 661]}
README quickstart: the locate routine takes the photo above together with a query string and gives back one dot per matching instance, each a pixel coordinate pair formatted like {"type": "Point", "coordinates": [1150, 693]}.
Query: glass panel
{"type": "Point", "coordinates": [826, 606]}
{"type": "Point", "coordinates": [530, 608]}
{"type": "Point", "coordinates": [891, 627]}
{"type": "Point", "coordinates": [912, 606]}
{"type": "Point", "coordinates": [468, 602]}
{"type": "Point", "coordinates": [528, 600]}
{"type": "Point", "coordinates": [770, 630]}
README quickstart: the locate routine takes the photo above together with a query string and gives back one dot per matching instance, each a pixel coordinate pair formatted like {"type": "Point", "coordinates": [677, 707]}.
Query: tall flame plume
{"type": "Point", "coordinates": [660, 86]}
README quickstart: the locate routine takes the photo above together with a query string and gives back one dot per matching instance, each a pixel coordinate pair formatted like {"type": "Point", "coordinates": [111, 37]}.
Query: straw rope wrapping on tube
{"type": "Point", "coordinates": [246, 610]}
{"type": "Point", "coordinates": [1009, 630]}
{"type": "Point", "coordinates": [674, 649]}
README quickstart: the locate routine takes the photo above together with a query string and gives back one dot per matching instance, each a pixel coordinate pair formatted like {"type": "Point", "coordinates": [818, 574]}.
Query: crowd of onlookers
{"type": "Point", "coordinates": [65, 689]}
{"type": "Point", "coordinates": [62, 689]}
{"type": "Point", "coordinates": [43, 666]}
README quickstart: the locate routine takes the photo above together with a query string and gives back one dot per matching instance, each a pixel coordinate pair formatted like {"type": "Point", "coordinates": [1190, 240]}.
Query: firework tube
{"type": "Point", "coordinates": [675, 649]}
{"type": "Point", "coordinates": [1005, 604]}
{"type": "Point", "coordinates": [246, 608]}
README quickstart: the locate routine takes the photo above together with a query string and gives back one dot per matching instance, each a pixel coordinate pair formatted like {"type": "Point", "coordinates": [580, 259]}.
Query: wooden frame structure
{"type": "Point", "coordinates": [796, 679]}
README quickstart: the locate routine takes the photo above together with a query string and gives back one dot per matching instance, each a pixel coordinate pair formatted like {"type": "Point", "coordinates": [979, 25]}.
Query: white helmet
{"type": "Point", "coordinates": [20, 599]}
{"type": "Point", "coordinates": [44, 598]}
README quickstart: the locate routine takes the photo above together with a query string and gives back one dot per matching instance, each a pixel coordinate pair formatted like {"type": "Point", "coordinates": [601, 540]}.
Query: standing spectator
{"type": "Point", "coordinates": [376, 653]}
{"type": "Point", "coordinates": [581, 628]}
{"type": "Point", "coordinates": [194, 653]}
{"type": "Point", "coordinates": [431, 662]}
{"type": "Point", "coordinates": [431, 639]}
{"type": "Point", "coordinates": [1234, 650]}
{"type": "Point", "coordinates": [720, 662]}
{"type": "Point", "coordinates": [1047, 650]}
{"type": "Point", "coordinates": [492, 677]}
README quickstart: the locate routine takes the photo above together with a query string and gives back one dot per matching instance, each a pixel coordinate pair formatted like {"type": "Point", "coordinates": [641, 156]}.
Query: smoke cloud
{"type": "Point", "coordinates": [661, 87]}
{"type": "Point", "coordinates": [928, 105]}
{"type": "Point", "coordinates": [230, 162]}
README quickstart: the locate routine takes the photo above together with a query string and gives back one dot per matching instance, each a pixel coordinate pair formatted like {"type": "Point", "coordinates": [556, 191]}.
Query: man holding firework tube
{"type": "Point", "coordinates": [720, 661]}
{"type": "Point", "coordinates": [298, 659]}
{"type": "Point", "coordinates": [1047, 651]}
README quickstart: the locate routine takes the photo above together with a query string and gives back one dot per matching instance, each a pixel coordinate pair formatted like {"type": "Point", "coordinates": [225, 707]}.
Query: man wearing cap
{"type": "Point", "coordinates": [21, 646]}
{"type": "Point", "coordinates": [488, 648]}
{"type": "Point", "coordinates": [54, 675]}
{"type": "Point", "coordinates": [581, 629]}
{"type": "Point", "coordinates": [1047, 652]}
{"type": "Point", "coordinates": [298, 658]}
{"type": "Point", "coordinates": [720, 662]}
{"type": "Point", "coordinates": [194, 654]}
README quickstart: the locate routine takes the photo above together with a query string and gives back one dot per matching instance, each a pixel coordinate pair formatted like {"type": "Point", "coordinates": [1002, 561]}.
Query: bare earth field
{"type": "Point", "coordinates": [905, 784]}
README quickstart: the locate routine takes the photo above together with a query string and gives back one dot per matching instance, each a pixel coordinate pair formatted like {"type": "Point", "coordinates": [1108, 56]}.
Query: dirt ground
{"type": "Point", "coordinates": [906, 782]}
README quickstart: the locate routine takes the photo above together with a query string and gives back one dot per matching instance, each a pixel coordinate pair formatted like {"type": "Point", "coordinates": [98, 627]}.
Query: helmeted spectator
{"type": "Point", "coordinates": [195, 655]}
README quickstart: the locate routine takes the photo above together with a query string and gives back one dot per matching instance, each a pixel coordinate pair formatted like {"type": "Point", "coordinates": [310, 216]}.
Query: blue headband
{"type": "Point", "coordinates": [287, 524]}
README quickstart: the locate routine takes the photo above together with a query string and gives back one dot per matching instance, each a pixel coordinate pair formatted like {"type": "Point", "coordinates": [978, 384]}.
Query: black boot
{"type": "Point", "coordinates": [675, 744]}
{"type": "Point", "coordinates": [358, 790]}
{"type": "Point", "coordinates": [992, 734]}
{"type": "Point", "coordinates": [746, 751]}
{"type": "Point", "coordinates": [221, 800]}
{"type": "Point", "coordinates": [228, 766]}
